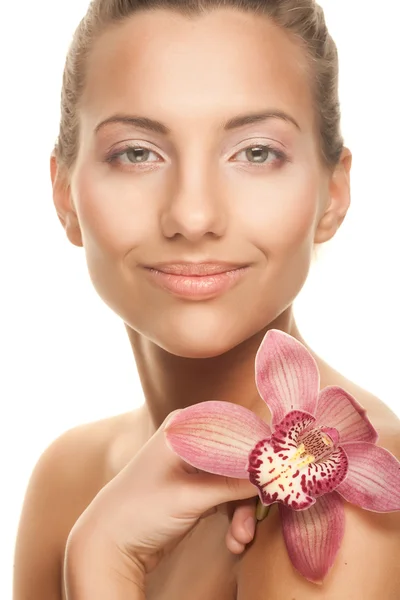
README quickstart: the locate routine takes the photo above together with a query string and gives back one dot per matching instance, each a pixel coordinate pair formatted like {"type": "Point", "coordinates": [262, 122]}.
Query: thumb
{"type": "Point", "coordinates": [212, 489]}
{"type": "Point", "coordinates": [169, 417]}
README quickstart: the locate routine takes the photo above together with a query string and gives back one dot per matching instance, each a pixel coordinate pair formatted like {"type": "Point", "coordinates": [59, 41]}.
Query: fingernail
{"type": "Point", "coordinates": [250, 525]}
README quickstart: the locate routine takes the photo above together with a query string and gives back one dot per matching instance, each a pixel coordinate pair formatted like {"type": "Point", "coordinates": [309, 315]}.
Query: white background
{"type": "Point", "coordinates": [65, 356]}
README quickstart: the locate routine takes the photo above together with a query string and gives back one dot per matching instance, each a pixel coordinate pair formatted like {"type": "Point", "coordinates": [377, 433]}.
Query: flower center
{"type": "Point", "coordinates": [295, 467]}
{"type": "Point", "coordinates": [316, 444]}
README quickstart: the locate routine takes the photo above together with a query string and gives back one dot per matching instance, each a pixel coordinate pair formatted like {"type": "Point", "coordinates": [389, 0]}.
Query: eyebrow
{"type": "Point", "coordinates": [234, 123]}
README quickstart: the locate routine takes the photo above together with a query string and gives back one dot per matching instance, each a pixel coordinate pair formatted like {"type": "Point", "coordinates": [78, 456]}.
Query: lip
{"type": "Point", "coordinates": [196, 268]}
{"type": "Point", "coordinates": [197, 286]}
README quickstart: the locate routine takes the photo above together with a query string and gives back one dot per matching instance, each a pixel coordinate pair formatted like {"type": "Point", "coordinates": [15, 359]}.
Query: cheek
{"type": "Point", "coordinates": [114, 216]}
{"type": "Point", "coordinates": [280, 222]}
{"type": "Point", "coordinates": [280, 217]}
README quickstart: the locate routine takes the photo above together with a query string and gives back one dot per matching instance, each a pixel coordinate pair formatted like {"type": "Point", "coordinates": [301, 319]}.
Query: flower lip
{"type": "Point", "coordinates": [196, 268]}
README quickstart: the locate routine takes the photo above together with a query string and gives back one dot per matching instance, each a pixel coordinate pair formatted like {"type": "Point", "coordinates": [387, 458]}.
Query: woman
{"type": "Point", "coordinates": [194, 134]}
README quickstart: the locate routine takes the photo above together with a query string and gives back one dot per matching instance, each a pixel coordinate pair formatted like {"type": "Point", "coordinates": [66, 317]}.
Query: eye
{"type": "Point", "coordinates": [137, 155]}
{"type": "Point", "coordinates": [261, 153]}
{"type": "Point", "coordinates": [133, 155]}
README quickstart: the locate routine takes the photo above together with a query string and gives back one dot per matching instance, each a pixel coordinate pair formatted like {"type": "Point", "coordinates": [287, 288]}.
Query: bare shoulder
{"type": "Point", "coordinates": [66, 478]}
{"type": "Point", "coordinates": [385, 421]}
{"type": "Point", "coordinates": [366, 566]}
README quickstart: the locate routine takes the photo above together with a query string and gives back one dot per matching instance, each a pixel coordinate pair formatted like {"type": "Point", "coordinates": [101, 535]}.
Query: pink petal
{"type": "Point", "coordinates": [216, 437]}
{"type": "Point", "coordinates": [337, 408]}
{"type": "Point", "coordinates": [287, 376]}
{"type": "Point", "coordinates": [313, 536]}
{"type": "Point", "coordinates": [373, 477]}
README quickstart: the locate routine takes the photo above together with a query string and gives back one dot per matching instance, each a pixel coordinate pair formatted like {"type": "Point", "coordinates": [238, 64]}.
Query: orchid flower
{"type": "Point", "coordinates": [319, 451]}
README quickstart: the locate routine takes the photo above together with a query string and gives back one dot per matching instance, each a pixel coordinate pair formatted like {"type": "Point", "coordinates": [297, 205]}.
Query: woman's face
{"type": "Point", "coordinates": [198, 192]}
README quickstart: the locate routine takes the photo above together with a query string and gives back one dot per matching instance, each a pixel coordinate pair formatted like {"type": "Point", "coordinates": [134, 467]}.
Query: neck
{"type": "Point", "coordinates": [170, 382]}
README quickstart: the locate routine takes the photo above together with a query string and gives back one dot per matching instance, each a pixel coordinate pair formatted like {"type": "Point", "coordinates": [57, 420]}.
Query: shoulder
{"type": "Point", "coordinates": [65, 479]}
{"type": "Point", "coordinates": [383, 418]}
{"type": "Point", "coordinates": [80, 457]}
{"type": "Point", "coordinates": [366, 566]}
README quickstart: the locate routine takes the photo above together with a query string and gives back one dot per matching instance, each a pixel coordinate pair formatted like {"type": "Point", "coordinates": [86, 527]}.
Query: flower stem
{"type": "Point", "coordinates": [261, 510]}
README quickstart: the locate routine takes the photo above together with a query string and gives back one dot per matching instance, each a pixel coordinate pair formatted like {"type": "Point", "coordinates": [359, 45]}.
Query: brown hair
{"type": "Point", "coordinates": [303, 19]}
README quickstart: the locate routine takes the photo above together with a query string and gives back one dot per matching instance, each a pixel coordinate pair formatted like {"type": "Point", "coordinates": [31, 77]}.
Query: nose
{"type": "Point", "coordinates": [194, 208]}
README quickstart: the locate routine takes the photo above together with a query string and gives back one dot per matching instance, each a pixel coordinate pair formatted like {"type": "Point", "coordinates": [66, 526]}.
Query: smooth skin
{"type": "Point", "coordinates": [115, 530]}
{"type": "Point", "coordinates": [197, 195]}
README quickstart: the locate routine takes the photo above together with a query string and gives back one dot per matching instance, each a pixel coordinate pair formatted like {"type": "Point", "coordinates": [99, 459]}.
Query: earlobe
{"type": "Point", "coordinates": [63, 203]}
{"type": "Point", "coordinates": [339, 193]}
{"type": "Point", "coordinates": [327, 227]}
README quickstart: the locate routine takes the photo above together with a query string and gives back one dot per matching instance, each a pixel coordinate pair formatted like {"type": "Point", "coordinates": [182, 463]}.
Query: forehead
{"type": "Point", "coordinates": [223, 60]}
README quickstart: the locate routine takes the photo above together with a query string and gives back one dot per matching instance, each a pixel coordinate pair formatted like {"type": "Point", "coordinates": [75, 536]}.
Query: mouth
{"type": "Point", "coordinates": [196, 280]}
{"type": "Point", "coordinates": [193, 269]}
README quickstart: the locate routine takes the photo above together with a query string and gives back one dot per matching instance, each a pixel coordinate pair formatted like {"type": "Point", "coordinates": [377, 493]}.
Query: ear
{"type": "Point", "coordinates": [339, 200]}
{"type": "Point", "coordinates": [63, 202]}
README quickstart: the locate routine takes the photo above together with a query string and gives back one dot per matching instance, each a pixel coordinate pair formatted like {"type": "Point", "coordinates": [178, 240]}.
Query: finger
{"type": "Point", "coordinates": [232, 544]}
{"type": "Point", "coordinates": [239, 505]}
{"type": "Point", "coordinates": [173, 459]}
{"type": "Point", "coordinates": [211, 489]}
{"type": "Point", "coordinates": [169, 417]}
{"type": "Point", "coordinates": [240, 528]}
{"type": "Point", "coordinates": [240, 533]}
{"type": "Point", "coordinates": [208, 488]}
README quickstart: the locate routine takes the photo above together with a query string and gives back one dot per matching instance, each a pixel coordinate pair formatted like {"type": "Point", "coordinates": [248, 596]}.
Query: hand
{"type": "Point", "coordinates": [158, 498]}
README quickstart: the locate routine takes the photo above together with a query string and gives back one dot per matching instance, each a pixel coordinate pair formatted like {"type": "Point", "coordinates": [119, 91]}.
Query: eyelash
{"type": "Point", "coordinates": [281, 157]}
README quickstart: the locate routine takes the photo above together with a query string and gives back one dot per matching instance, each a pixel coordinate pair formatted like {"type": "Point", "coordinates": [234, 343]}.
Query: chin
{"type": "Point", "coordinates": [200, 336]}
{"type": "Point", "coordinates": [201, 332]}
{"type": "Point", "coordinates": [186, 347]}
